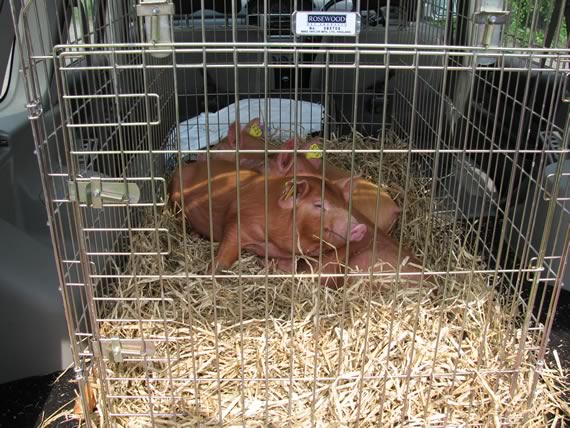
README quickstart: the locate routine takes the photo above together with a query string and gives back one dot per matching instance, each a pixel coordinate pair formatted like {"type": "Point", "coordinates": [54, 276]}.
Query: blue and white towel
{"type": "Point", "coordinates": [280, 120]}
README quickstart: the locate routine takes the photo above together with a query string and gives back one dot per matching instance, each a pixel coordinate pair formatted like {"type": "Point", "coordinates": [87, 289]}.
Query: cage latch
{"type": "Point", "coordinates": [490, 18]}
{"type": "Point", "coordinates": [115, 353]}
{"type": "Point", "coordinates": [153, 10]}
{"type": "Point", "coordinates": [117, 349]}
{"type": "Point", "coordinates": [96, 192]}
{"type": "Point", "coordinates": [35, 109]}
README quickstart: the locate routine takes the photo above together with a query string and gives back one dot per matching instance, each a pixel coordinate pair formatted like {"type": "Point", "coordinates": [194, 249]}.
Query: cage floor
{"type": "Point", "coordinates": [265, 353]}
{"type": "Point", "coordinates": [25, 400]}
{"type": "Point", "coordinates": [286, 350]}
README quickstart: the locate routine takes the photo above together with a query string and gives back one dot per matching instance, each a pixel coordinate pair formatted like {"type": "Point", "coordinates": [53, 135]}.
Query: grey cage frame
{"type": "Point", "coordinates": [106, 108]}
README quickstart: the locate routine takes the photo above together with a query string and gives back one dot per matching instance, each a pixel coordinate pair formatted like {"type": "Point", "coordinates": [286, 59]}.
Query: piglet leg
{"type": "Point", "coordinates": [273, 264]}
{"type": "Point", "coordinates": [228, 249]}
{"type": "Point", "coordinates": [285, 264]}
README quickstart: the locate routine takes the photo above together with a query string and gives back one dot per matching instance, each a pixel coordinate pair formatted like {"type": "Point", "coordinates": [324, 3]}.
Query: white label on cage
{"type": "Point", "coordinates": [326, 23]}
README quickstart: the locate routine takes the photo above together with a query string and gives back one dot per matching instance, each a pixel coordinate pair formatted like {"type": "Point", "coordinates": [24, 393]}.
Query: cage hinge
{"type": "Point", "coordinates": [95, 192]}
{"type": "Point", "coordinates": [157, 25]}
{"type": "Point", "coordinates": [490, 19]}
{"type": "Point", "coordinates": [35, 109]}
{"type": "Point", "coordinates": [155, 8]}
{"type": "Point", "coordinates": [117, 349]}
{"type": "Point", "coordinates": [534, 268]}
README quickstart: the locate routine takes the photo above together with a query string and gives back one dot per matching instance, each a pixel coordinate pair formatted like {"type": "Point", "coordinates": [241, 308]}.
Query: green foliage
{"type": "Point", "coordinates": [87, 8]}
{"type": "Point", "coordinates": [530, 19]}
{"type": "Point", "coordinates": [527, 26]}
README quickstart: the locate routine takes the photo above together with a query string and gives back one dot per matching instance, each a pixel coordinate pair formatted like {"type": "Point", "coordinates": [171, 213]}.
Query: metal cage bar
{"type": "Point", "coordinates": [475, 114]}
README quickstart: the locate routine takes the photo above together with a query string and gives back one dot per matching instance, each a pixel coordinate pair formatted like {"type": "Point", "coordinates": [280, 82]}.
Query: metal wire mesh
{"type": "Point", "coordinates": [483, 124]}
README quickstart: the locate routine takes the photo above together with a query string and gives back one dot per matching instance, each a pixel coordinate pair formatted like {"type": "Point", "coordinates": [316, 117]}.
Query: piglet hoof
{"type": "Point", "coordinates": [332, 282]}
{"type": "Point", "coordinates": [261, 262]}
{"type": "Point", "coordinates": [429, 281]}
{"type": "Point", "coordinates": [209, 269]}
{"type": "Point", "coordinates": [214, 268]}
{"type": "Point", "coordinates": [278, 264]}
{"type": "Point", "coordinates": [285, 265]}
{"type": "Point", "coordinates": [426, 282]}
{"type": "Point", "coordinates": [270, 265]}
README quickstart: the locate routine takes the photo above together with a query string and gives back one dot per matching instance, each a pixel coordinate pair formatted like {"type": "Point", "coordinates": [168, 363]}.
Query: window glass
{"type": "Point", "coordinates": [7, 43]}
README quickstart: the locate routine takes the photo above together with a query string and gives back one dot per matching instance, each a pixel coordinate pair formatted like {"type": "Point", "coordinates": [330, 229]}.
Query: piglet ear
{"type": "Point", "coordinates": [253, 128]}
{"type": "Point", "coordinates": [286, 199]}
{"type": "Point", "coordinates": [285, 160]}
{"type": "Point", "coordinates": [344, 185]}
{"type": "Point", "coordinates": [232, 131]}
{"type": "Point", "coordinates": [288, 145]}
{"type": "Point", "coordinates": [315, 159]}
{"type": "Point", "coordinates": [254, 121]}
{"type": "Point", "coordinates": [310, 141]}
{"type": "Point", "coordinates": [303, 189]}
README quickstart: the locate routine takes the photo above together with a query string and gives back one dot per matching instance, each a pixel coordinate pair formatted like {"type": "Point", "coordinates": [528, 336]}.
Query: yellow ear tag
{"type": "Point", "coordinates": [314, 155]}
{"type": "Point", "coordinates": [255, 131]}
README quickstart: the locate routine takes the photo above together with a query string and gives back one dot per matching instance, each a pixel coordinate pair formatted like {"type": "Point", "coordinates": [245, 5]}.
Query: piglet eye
{"type": "Point", "coordinates": [317, 205]}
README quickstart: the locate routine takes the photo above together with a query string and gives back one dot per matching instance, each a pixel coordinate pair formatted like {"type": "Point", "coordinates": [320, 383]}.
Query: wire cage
{"type": "Point", "coordinates": [457, 111]}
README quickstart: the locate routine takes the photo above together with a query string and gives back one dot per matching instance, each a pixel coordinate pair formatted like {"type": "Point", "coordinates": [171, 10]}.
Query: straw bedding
{"type": "Point", "coordinates": [382, 356]}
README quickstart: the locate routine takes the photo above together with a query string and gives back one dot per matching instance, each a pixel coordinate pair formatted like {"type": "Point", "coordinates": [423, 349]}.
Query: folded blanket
{"type": "Point", "coordinates": [280, 121]}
